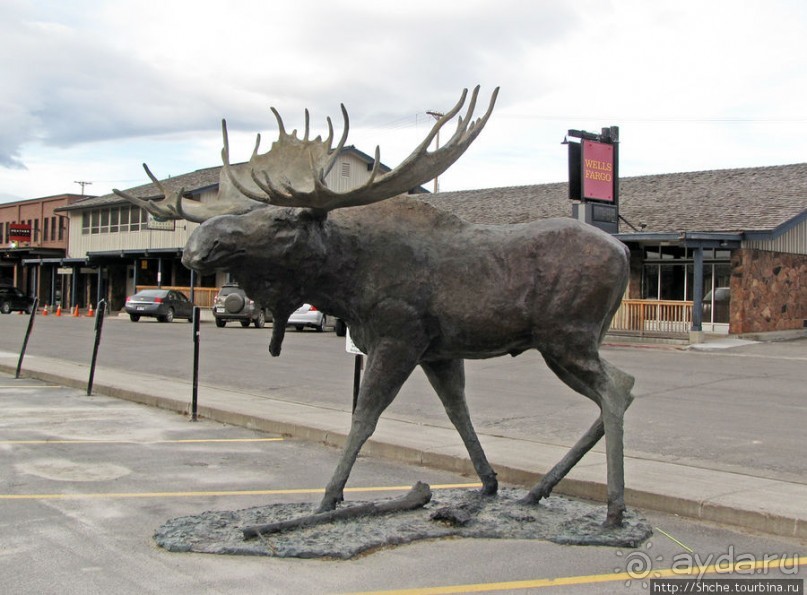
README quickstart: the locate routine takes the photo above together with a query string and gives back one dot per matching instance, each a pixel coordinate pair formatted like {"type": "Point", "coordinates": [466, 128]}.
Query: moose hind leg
{"type": "Point", "coordinates": [448, 379]}
{"type": "Point", "coordinates": [610, 389]}
{"type": "Point", "coordinates": [548, 482]}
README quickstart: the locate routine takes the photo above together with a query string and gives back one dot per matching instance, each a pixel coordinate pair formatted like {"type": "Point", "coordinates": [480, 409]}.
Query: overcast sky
{"type": "Point", "coordinates": [90, 89]}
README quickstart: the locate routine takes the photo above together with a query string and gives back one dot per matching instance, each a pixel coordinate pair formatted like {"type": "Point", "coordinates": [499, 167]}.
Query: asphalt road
{"type": "Point", "coordinates": [742, 409]}
{"type": "Point", "coordinates": [85, 482]}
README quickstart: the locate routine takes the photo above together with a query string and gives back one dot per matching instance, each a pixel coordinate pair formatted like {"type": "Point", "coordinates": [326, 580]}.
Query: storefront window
{"type": "Point", "coordinates": [668, 272]}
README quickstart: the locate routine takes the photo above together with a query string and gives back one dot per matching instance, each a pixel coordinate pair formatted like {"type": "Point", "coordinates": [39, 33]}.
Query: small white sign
{"type": "Point", "coordinates": [350, 346]}
{"type": "Point", "coordinates": [160, 224]}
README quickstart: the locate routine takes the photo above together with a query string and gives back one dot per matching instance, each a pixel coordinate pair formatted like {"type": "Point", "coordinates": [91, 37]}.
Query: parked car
{"type": "Point", "coordinates": [232, 303]}
{"type": "Point", "coordinates": [162, 304]}
{"type": "Point", "coordinates": [308, 316]}
{"type": "Point", "coordinates": [14, 300]}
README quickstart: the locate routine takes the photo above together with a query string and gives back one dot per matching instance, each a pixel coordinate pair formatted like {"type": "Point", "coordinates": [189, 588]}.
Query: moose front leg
{"type": "Point", "coordinates": [389, 365]}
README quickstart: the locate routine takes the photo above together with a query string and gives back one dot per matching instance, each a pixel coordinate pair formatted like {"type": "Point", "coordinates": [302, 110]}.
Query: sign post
{"type": "Point", "coordinates": [358, 364]}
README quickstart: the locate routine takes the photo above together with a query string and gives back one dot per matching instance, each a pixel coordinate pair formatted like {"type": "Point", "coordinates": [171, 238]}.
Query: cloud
{"type": "Point", "coordinates": [99, 79]}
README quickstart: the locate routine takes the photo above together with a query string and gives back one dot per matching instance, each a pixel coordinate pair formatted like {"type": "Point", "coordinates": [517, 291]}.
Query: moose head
{"type": "Point", "coordinates": [415, 285]}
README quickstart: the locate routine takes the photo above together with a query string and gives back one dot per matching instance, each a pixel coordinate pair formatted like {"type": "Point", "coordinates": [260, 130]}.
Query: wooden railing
{"type": "Point", "coordinates": [653, 316]}
{"type": "Point", "coordinates": [202, 296]}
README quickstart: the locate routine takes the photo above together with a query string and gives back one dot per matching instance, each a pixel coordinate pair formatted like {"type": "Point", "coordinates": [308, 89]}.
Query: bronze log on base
{"type": "Point", "coordinates": [417, 286]}
{"type": "Point", "coordinates": [418, 497]}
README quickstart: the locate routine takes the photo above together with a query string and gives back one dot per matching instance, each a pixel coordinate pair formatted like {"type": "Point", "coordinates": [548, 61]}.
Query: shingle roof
{"type": "Point", "coordinates": [731, 200]}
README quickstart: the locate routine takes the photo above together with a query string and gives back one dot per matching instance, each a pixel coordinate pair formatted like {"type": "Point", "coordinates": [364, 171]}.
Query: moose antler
{"type": "Point", "coordinates": [171, 206]}
{"type": "Point", "coordinates": [292, 173]}
{"type": "Point", "coordinates": [168, 207]}
{"type": "Point", "coordinates": [304, 184]}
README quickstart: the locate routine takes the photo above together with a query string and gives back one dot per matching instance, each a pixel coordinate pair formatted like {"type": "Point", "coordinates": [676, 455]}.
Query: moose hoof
{"type": "Point", "coordinates": [329, 503]}
{"type": "Point", "coordinates": [614, 518]}
{"type": "Point", "coordinates": [536, 494]}
{"type": "Point", "coordinates": [530, 500]}
{"type": "Point", "coordinates": [490, 486]}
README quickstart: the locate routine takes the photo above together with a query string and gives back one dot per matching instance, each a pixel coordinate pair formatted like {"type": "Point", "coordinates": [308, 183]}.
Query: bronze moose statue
{"type": "Point", "coordinates": [416, 285]}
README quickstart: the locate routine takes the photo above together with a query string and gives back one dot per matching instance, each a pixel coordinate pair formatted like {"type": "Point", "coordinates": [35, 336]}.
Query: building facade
{"type": "Point", "coordinates": [47, 239]}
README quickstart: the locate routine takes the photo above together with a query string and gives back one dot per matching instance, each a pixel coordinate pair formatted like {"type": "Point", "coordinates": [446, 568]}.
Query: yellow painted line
{"type": "Point", "coordinates": [745, 568]}
{"type": "Point", "coordinates": [119, 495]}
{"type": "Point", "coordinates": [36, 386]}
{"type": "Point", "coordinates": [187, 441]}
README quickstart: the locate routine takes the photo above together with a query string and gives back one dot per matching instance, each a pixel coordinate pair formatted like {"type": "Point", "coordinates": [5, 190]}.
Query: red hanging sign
{"type": "Point", "coordinates": [598, 171]}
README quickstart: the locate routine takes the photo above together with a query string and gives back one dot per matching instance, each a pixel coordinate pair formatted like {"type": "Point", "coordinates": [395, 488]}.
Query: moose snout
{"type": "Point", "coordinates": [201, 251]}
{"type": "Point", "coordinates": [210, 248]}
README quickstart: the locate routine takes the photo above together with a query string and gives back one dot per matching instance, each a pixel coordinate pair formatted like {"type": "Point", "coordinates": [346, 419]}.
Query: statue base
{"type": "Point", "coordinates": [450, 513]}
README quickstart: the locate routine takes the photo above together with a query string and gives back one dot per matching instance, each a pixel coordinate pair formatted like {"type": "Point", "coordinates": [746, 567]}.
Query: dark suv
{"type": "Point", "coordinates": [232, 303]}
{"type": "Point", "coordinates": [14, 300]}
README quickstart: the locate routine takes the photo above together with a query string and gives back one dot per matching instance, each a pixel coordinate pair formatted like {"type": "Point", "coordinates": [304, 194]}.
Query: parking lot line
{"type": "Point", "coordinates": [183, 441]}
{"type": "Point", "coordinates": [281, 492]}
{"type": "Point", "coordinates": [30, 386]}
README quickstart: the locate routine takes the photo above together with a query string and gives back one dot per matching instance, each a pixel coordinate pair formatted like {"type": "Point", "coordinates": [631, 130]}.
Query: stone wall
{"type": "Point", "coordinates": [768, 291]}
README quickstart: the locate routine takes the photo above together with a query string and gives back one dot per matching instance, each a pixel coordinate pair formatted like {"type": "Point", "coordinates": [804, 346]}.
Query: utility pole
{"type": "Point", "coordinates": [82, 184]}
{"type": "Point", "coordinates": [436, 116]}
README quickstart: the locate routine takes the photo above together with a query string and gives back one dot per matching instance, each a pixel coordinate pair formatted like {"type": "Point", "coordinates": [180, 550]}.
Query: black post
{"type": "Point", "coordinates": [99, 290]}
{"type": "Point", "coordinates": [697, 291]}
{"type": "Point", "coordinates": [27, 334]}
{"type": "Point", "coordinates": [197, 311]}
{"type": "Point", "coordinates": [74, 288]}
{"type": "Point", "coordinates": [357, 366]}
{"type": "Point", "coordinates": [99, 325]}
{"type": "Point", "coordinates": [53, 287]}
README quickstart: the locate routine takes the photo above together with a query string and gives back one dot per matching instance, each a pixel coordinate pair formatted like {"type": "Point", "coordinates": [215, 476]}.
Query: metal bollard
{"type": "Point", "coordinates": [99, 325]}
{"type": "Point", "coordinates": [195, 398]}
{"type": "Point", "coordinates": [27, 334]}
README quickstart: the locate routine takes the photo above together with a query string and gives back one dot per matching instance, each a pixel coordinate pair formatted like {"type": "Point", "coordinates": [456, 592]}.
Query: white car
{"type": "Point", "coordinates": [308, 316]}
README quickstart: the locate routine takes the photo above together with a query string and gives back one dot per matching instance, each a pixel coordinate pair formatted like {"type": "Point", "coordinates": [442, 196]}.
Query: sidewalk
{"type": "Point", "coordinates": [770, 506]}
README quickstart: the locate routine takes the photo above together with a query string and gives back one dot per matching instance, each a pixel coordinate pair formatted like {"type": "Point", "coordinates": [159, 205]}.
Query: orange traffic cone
{"type": "Point", "coordinates": [89, 312]}
{"type": "Point", "coordinates": [45, 310]}
{"type": "Point", "coordinates": [59, 310]}
{"type": "Point", "coordinates": [75, 310]}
